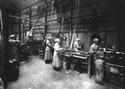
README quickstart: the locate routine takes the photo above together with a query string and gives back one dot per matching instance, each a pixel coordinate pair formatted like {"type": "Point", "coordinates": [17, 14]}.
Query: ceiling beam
{"type": "Point", "coordinates": [31, 4]}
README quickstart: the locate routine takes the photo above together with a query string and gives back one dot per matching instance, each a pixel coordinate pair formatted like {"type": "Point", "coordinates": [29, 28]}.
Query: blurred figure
{"type": "Point", "coordinates": [13, 48]}
{"type": "Point", "coordinates": [95, 46]}
{"type": "Point", "coordinates": [96, 64]}
{"type": "Point", "coordinates": [12, 64]}
{"type": "Point", "coordinates": [12, 38]}
{"type": "Point", "coordinates": [48, 50]}
{"type": "Point", "coordinates": [75, 63]}
{"type": "Point", "coordinates": [77, 45]}
{"type": "Point", "coordinates": [56, 56]}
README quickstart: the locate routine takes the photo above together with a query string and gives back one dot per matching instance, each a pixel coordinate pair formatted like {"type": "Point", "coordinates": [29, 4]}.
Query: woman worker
{"type": "Point", "coordinates": [77, 45]}
{"type": "Point", "coordinates": [96, 63]}
{"type": "Point", "coordinates": [13, 48]}
{"type": "Point", "coordinates": [56, 56]}
{"type": "Point", "coordinates": [75, 62]}
{"type": "Point", "coordinates": [48, 50]}
{"type": "Point", "coordinates": [93, 48]}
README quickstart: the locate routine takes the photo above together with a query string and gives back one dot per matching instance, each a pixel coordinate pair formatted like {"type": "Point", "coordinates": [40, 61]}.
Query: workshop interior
{"type": "Point", "coordinates": [62, 44]}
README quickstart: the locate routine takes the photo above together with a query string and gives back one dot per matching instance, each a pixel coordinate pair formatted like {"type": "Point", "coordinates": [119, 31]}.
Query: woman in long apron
{"type": "Point", "coordinates": [56, 56]}
{"type": "Point", "coordinates": [75, 63]}
{"type": "Point", "coordinates": [48, 51]}
{"type": "Point", "coordinates": [94, 47]}
{"type": "Point", "coordinates": [97, 63]}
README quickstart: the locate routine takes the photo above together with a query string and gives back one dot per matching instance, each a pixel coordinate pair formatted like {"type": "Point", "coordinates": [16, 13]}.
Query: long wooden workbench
{"type": "Point", "coordinates": [76, 59]}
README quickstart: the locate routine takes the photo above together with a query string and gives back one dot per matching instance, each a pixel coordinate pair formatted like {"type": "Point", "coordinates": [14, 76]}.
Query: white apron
{"type": "Point", "coordinates": [57, 56]}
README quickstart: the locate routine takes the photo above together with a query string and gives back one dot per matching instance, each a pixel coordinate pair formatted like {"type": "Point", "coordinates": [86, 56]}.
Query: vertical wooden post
{"type": "Point", "coordinates": [45, 26]}
{"type": "Point", "coordinates": [23, 30]}
{"type": "Point", "coordinates": [19, 27]}
{"type": "Point", "coordinates": [71, 23]}
{"type": "Point", "coordinates": [30, 15]}
{"type": "Point", "coordinates": [5, 38]}
{"type": "Point", "coordinates": [2, 48]}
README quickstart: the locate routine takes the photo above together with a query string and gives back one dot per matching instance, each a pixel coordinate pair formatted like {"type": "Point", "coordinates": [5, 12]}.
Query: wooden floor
{"type": "Point", "coordinates": [37, 75]}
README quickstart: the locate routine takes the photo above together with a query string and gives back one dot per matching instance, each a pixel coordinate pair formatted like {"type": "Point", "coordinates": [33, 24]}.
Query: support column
{"type": "Point", "coordinates": [19, 27]}
{"type": "Point", "coordinates": [71, 23]}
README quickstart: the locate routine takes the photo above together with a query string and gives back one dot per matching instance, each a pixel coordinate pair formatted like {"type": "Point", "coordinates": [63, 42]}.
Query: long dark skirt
{"type": "Point", "coordinates": [48, 54]}
{"type": "Point", "coordinates": [91, 66]}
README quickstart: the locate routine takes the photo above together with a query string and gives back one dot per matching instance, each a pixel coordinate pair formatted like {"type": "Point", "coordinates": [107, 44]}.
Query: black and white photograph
{"type": "Point", "coordinates": [62, 44]}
